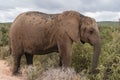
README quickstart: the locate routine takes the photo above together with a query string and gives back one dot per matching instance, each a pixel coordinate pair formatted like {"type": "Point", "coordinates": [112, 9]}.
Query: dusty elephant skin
{"type": "Point", "coordinates": [36, 32]}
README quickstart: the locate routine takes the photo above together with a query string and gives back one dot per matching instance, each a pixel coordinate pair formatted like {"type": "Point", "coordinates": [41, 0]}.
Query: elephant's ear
{"type": "Point", "coordinates": [71, 28]}
{"type": "Point", "coordinates": [69, 21]}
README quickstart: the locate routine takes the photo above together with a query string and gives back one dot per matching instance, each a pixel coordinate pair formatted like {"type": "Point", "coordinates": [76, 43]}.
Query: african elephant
{"type": "Point", "coordinates": [39, 33]}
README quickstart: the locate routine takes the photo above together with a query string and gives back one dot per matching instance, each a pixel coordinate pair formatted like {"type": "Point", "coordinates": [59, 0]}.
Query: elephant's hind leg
{"type": "Point", "coordinates": [16, 65]}
{"type": "Point", "coordinates": [17, 52]}
{"type": "Point", "coordinates": [29, 58]}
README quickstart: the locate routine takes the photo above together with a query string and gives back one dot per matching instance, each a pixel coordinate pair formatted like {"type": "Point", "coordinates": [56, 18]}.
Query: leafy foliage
{"type": "Point", "coordinates": [4, 29]}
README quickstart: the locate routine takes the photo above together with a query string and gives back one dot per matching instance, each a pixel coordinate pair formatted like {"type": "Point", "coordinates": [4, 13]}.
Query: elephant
{"type": "Point", "coordinates": [36, 33]}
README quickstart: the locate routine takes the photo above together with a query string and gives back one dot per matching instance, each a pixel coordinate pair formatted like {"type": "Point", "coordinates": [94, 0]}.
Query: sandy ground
{"type": "Point", "coordinates": [5, 73]}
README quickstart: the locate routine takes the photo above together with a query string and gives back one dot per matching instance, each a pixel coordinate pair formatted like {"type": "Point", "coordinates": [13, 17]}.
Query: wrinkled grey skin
{"type": "Point", "coordinates": [36, 32]}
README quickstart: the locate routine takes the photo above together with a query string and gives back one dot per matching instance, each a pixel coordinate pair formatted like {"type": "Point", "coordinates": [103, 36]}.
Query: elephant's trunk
{"type": "Point", "coordinates": [97, 50]}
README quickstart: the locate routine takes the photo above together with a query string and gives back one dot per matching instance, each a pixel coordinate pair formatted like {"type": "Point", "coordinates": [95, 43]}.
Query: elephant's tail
{"type": "Point", "coordinates": [10, 50]}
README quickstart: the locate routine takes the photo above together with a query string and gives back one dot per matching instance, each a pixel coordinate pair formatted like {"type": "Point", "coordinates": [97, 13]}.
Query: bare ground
{"type": "Point", "coordinates": [5, 72]}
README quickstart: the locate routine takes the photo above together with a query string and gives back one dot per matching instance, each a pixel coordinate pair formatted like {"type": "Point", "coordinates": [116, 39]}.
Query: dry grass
{"type": "Point", "coordinates": [59, 74]}
{"type": "Point", "coordinates": [31, 73]}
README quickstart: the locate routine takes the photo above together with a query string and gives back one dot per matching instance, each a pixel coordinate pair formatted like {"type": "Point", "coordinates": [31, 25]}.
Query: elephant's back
{"type": "Point", "coordinates": [30, 27]}
{"type": "Point", "coordinates": [32, 20]}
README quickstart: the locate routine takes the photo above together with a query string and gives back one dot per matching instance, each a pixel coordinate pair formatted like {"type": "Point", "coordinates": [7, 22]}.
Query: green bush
{"type": "Point", "coordinates": [82, 56]}
{"type": "Point", "coordinates": [4, 31]}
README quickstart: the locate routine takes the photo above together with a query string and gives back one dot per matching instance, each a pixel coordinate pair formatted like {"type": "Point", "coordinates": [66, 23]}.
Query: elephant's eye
{"type": "Point", "coordinates": [84, 29]}
{"type": "Point", "coordinates": [91, 31]}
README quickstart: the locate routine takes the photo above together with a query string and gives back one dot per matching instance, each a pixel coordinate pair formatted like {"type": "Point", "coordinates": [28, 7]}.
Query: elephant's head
{"type": "Point", "coordinates": [89, 33]}
{"type": "Point", "coordinates": [82, 28]}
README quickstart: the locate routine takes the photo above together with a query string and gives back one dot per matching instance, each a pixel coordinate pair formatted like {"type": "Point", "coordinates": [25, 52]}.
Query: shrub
{"type": "Point", "coordinates": [4, 52]}
{"type": "Point", "coordinates": [82, 57]}
{"type": "Point", "coordinates": [4, 30]}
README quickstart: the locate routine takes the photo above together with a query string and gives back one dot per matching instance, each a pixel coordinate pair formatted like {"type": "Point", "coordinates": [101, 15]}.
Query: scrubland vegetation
{"type": "Point", "coordinates": [46, 67]}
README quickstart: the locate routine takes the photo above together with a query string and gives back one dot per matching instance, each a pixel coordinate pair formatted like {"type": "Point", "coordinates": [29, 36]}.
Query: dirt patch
{"type": "Point", "coordinates": [5, 73]}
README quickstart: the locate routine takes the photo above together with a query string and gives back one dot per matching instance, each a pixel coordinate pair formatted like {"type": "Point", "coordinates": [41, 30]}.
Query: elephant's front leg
{"type": "Point", "coordinates": [65, 51]}
{"type": "Point", "coordinates": [60, 63]}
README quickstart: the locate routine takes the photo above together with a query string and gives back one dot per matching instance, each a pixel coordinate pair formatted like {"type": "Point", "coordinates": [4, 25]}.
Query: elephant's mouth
{"type": "Point", "coordinates": [82, 41]}
{"type": "Point", "coordinates": [91, 43]}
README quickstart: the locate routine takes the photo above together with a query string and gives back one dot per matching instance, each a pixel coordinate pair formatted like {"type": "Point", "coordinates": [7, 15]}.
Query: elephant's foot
{"type": "Point", "coordinates": [16, 71]}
